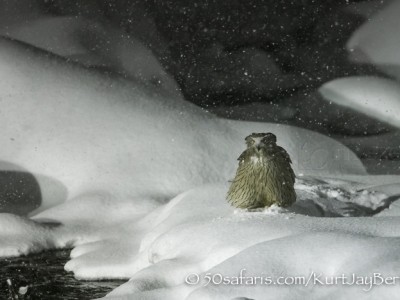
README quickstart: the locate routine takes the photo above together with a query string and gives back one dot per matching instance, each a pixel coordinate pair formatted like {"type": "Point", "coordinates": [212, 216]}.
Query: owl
{"type": "Point", "coordinates": [264, 176]}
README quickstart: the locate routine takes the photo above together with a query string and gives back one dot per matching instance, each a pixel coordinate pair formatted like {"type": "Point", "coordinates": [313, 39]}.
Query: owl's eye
{"type": "Point", "coordinates": [249, 142]}
{"type": "Point", "coordinates": [269, 138]}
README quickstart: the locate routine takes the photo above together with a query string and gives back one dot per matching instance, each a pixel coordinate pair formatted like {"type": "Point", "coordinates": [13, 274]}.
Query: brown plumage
{"type": "Point", "coordinates": [264, 176]}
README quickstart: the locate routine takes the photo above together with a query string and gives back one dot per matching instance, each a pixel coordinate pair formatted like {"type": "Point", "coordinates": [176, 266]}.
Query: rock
{"type": "Point", "coordinates": [14, 11]}
{"type": "Point", "coordinates": [315, 112]}
{"type": "Point", "coordinates": [366, 8]}
{"type": "Point", "coordinates": [88, 8]}
{"type": "Point", "coordinates": [235, 23]}
{"type": "Point", "coordinates": [219, 76]}
{"type": "Point", "coordinates": [20, 193]}
{"type": "Point", "coordinates": [320, 54]}
{"type": "Point", "coordinates": [382, 146]}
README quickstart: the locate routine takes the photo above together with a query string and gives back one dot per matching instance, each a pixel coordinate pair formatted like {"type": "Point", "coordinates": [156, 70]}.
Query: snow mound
{"type": "Point", "coordinates": [377, 42]}
{"type": "Point", "coordinates": [132, 131]}
{"type": "Point", "coordinates": [375, 97]}
{"type": "Point", "coordinates": [54, 34]}
{"type": "Point", "coordinates": [309, 259]}
{"type": "Point", "coordinates": [21, 236]}
{"type": "Point", "coordinates": [269, 243]}
{"type": "Point", "coordinates": [198, 233]}
{"type": "Point", "coordinates": [94, 44]}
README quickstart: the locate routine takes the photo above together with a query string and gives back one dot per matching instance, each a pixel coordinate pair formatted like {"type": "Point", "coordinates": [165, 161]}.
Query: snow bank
{"type": "Point", "coordinates": [320, 257]}
{"type": "Point", "coordinates": [21, 235]}
{"type": "Point", "coordinates": [377, 42]}
{"type": "Point", "coordinates": [93, 44]}
{"type": "Point", "coordinates": [90, 133]}
{"type": "Point", "coordinates": [375, 97]}
{"type": "Point", "coordinates": [192, 241]}
{"type": "Point", "coordinates": [197, 232]}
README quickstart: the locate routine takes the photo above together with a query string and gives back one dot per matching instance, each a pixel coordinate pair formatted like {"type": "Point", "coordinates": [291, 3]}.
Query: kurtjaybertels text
{"type": "Point", "coordinates": [313, 279]}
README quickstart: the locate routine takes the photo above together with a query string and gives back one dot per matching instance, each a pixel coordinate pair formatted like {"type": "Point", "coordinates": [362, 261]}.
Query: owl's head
{"type": "Point", "coordinates": [259, 140]}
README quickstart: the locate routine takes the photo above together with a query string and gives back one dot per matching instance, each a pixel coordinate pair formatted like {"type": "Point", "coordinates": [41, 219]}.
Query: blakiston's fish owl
{"type": "Point", "coordinates": [264, 176]}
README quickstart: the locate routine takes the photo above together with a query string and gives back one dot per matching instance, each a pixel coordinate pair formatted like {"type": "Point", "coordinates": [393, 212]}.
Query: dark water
{"type": "Point", "coordinates": [47, 279]}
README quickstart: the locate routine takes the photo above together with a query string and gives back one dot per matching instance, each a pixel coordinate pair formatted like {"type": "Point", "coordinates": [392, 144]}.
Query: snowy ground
{"type": "Point", "coordinates": [135, 183]}
{"type": "Point", "coordinates": [198, 233]}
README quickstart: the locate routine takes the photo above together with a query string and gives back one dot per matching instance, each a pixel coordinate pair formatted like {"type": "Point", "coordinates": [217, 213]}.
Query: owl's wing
{"type": "Point", "coordinates": [242, 156]}
{"type": "Point", "coordinates": [284, 154]}
{"type": "Point", "coordinates": [287, 158]}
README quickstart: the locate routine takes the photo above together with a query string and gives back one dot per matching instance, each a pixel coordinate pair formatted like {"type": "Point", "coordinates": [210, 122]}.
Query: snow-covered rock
{"type": "Point", "coordinates": [377, 40]}
{"type": "Point", "coordinates": [375, 97]}
{"type": "Point", "coordinates": [93, 44]}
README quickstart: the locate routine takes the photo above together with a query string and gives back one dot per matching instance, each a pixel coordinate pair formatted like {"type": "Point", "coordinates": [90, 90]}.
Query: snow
{"type": "Point", "coordinates": [92, 44]}
{"type": "Point", "coordinates": [373, 96]}
{"type": "Point", "coordinates": [300, 261]}
{"type": "Point", "coordinates": [261, 112]}
{"type": "Point", "coordinates": [376, 41]}
{"type": "Point", "coordinates": [143, 180]}
{"type": "Point", "coordinates": [272, 242]}
{"type": "Point", "coordinates": [198, 232]}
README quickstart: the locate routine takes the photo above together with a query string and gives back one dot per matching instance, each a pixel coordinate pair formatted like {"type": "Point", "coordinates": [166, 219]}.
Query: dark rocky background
{"type": "Point", "coordinates": [228, 53]}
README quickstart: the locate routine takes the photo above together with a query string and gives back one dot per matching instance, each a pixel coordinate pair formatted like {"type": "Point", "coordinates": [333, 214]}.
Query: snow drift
{"type": "Point", "coordinates": [376, 97]}
{"type": "Point", "coordinates": [377, 40]}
